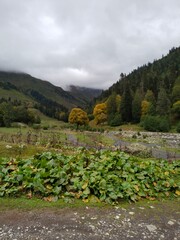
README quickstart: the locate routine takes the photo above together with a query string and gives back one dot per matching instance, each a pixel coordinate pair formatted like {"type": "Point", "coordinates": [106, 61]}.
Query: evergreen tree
{"type": "Point", "coordinates": [126, 104]}
{"type": "Point", "coordinates": [136, 106]}
{"type": "Point", "coordinates": [163, 103]}
{"type": "Point", "coordinates": [149, 97]}
{"type": "Point", "coordinates": [111, 104]}
{"type": "Point", "coordinates": [176, 90]}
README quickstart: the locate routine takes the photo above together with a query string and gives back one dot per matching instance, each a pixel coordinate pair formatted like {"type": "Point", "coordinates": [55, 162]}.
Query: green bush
{"type": "Point", "coordinates": [91, 117]}
{"type": "Point", "coordinates": [36, 126]}
{"type": "Point", "coordinates": [156, 124]}
{"type": "Point", "coordinates": [164, 125]}
{"type": "Point", "coordinates": [115, 120]}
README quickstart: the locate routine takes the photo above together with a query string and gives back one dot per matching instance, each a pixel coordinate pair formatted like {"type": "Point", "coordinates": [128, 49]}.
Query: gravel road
{"type": "Point", "coordinates": [154, 221]}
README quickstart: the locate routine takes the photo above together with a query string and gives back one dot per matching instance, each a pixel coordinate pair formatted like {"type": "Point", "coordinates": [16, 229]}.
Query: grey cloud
{"type": "Point", "coordinates": [87, 43]}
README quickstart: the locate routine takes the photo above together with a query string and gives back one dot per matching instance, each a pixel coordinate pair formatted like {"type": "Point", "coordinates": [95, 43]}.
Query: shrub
{"type": "Point", "coordinates": [150, 123]}
{"type": "Point", "coordinates": [45, 127]}
{"type": "Point", "coordinates": [109, 176]}
{"type": "Point", "coordinates": [156, 124]}
{"type": "Point", "coordinates": [164, 125]}
{"type": "Point", "coordinates": [178, 128]}
{"type": "Point", "coordinates": [91, 117]}
{"type": "Point", "coordinates": [115, 120]}
{"type": "Point", "coordinates": [36, 126]}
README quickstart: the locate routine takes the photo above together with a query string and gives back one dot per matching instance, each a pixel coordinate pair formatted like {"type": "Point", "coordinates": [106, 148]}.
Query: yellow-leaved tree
{"type": "Point", "coordinates": [100, 113]}
{"type": "Point", "coordinates": [78, 116]}
{"type": "Point", "coordinates": [144, 107]}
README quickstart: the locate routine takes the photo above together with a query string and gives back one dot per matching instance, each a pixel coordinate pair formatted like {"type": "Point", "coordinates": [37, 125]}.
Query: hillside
{"type": "Point", "coordinates": [88, 94]}
{"type": "Point", "coordinates": [156, 85]}
{"type": "Point", "coordinates": [51, 100]}
{"type": "Point", "coordinates": [28, 85]}
{"type": "Point", "coordinates": [152, 76]}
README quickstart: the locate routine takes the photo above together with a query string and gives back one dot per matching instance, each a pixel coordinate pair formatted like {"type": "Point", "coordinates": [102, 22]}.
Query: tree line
{"type": "Point", "coordinates": [16, 111]}
{"type": "Point", "coordinates": [150, 95]}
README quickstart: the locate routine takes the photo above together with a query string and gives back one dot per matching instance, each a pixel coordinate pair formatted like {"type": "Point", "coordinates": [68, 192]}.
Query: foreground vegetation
{"type": "Point", "coordinates": [102, 175]}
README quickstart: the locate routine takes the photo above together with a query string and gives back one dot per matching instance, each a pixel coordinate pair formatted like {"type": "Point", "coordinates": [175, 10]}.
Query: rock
{"type": "Point", "coordinates": [171, 223]}
{"type": "Point", "coordinates": [151, 228]}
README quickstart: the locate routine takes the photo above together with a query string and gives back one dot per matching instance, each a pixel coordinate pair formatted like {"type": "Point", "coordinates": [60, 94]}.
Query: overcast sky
{"type": "Point", "coordinates": [85, 42]}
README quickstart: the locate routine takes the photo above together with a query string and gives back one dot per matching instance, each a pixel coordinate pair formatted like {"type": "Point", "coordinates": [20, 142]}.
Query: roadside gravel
{"type": "Point", "coordinates": [154, 221]}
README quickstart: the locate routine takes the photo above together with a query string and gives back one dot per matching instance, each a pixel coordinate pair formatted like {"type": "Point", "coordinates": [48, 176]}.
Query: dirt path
{"type": "Point", "coordinates": [154, 221]}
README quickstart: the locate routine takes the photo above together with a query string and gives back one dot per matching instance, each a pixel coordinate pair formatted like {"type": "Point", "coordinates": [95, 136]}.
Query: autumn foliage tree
{"type": "Point", "coordinates": [144, 107]}
{"type": "Point", "coordinates": [100, 113]}
{"type": "Point", "coordinates": [78, 116]}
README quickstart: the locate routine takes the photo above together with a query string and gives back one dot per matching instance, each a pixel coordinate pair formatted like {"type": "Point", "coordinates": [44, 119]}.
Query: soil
{"type": "Point", "coordinates": [154, 221]}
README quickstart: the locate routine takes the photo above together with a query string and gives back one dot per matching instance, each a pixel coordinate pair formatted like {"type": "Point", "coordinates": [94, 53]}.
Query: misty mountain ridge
{"type": "Point", "coordinates": [88, 94]}
{"type": "Point", "coordinates": [26, 83]}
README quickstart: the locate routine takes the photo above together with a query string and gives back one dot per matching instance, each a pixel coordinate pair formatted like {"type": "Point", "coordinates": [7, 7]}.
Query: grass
{"type": "Point", "coordinates": [14, 130]}
{"type": "Point", "coordinates": [25, 204]}
{"type": "Point", "coordinates": [58, 137]}
{"type": "Point", "coordinates": [13, 94]}
{"type": "Point", "coordinates": [47, 121]}
{"type": "Point", "coordinates": [125, 127]}
{"type": "Point", "coordinates": [18, 151]}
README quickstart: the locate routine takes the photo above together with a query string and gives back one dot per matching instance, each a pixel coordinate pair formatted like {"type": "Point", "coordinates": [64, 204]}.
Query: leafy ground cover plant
{"type": "Point", "coordinates": [108, 176]}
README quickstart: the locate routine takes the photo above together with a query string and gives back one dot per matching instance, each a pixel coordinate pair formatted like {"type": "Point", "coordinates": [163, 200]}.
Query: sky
{"type": "Point", "coordinates": [85, 42]}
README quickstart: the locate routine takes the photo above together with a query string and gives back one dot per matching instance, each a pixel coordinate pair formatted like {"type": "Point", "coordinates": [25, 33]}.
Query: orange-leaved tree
{"type": "Point", "coordinates": [78, 116]}
{"type": "Point", "coordinates": [100, 113]}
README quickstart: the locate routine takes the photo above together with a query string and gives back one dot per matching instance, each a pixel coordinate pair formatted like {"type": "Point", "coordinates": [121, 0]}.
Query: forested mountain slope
{"type": "Point", "coordinates": [153, 89]}
{"type": "Point", "coordinates": [29, 85]}
{"type": "Point", "coordinates": [20, 89]}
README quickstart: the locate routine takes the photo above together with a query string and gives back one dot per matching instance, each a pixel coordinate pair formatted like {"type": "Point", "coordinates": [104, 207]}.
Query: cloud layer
{"type": "Point", "coordinates": [86, 43]}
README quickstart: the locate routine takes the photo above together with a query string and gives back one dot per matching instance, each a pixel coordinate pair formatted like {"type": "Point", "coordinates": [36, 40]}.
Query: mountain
{"type": "Point", "coordinates": [88, 94]}
{"type": "Point", "coordinates": [152, 76]}
{"type": "Point", "coordinates": [159, 79]}
{"type": "Point", "coordinates": [49, 99]}
{"type": "Point", "coordinates": [28, 86]}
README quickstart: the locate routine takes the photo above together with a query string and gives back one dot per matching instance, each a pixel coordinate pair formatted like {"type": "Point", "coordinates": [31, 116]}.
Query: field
{"type": "Point", "coordinates": [57, 182]}
{"type": "Point", "coordinates": [53, 135]}
{"type": "Point", "coordinates": [87, 163]}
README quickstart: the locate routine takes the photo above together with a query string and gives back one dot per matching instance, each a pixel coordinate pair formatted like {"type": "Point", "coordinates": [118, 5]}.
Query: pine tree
{"type": "Point", "coordinates": [163, 103]}
{"type": "Point", "coordinates": [126, 104]}
{"type": "Point", "coordinates": [149, 97]}
{"type": "Point", "coordinates": [136, 106]}
{"type": "Point", "coordinates": [111, 104]}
